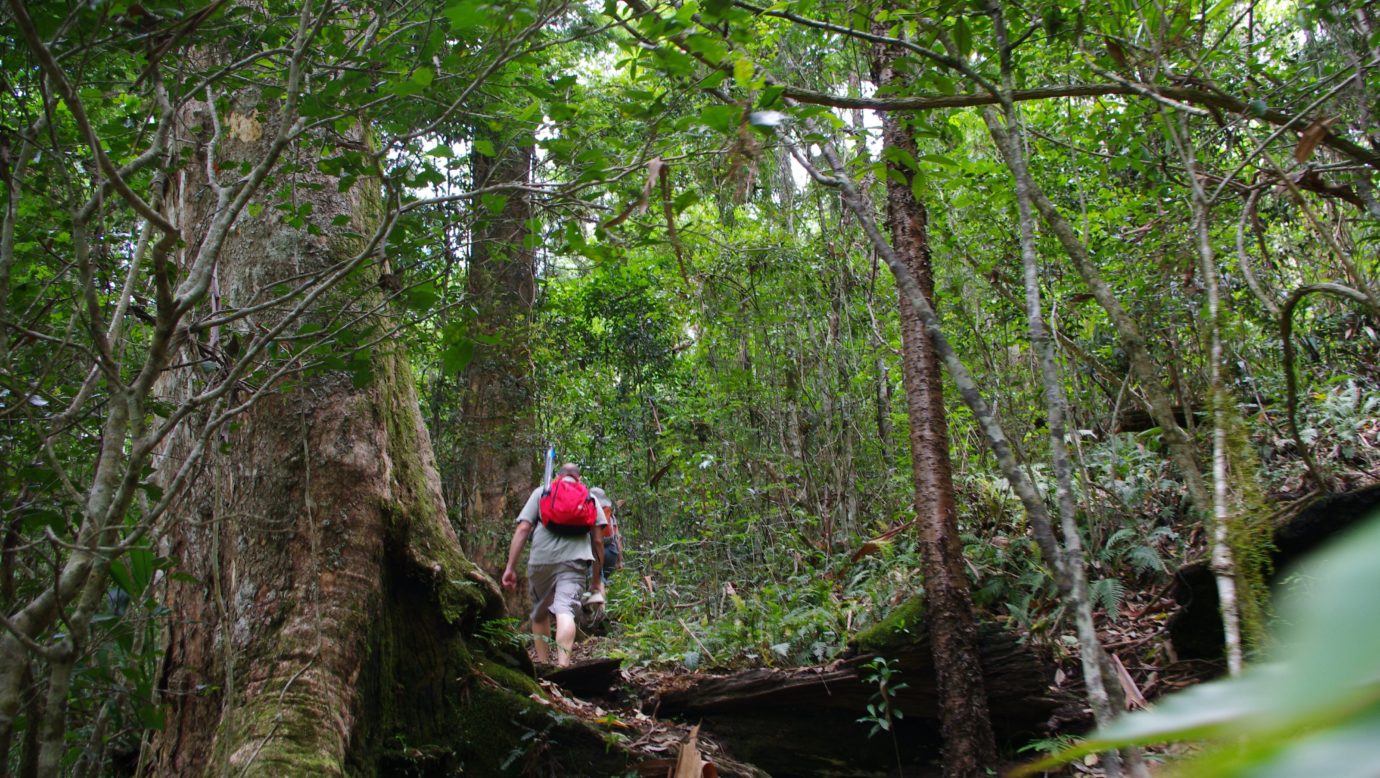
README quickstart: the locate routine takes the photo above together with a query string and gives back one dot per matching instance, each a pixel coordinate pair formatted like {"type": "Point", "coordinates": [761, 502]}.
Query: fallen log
{"type": "Point", "coordinates": [805, 721]}
{"type": "Point", "coordinates": [588, 678]}
{"type": "Point", "coordinates": [1196, 629]}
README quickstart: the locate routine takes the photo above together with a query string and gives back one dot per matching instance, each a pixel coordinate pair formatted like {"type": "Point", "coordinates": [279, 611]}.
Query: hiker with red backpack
{"type": "Point", "coordinates": [561, 518]}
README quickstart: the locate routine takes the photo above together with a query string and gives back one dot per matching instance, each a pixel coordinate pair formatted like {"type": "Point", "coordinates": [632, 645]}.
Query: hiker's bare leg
{"type": "Point", "coordinates": [565, 638]}
{"type": "Point", "coordinates": [541, 629]}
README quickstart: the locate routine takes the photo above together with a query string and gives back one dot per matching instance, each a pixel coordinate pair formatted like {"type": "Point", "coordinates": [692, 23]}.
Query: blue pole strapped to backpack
{"type": "Point", "coordinates": [550, 465]}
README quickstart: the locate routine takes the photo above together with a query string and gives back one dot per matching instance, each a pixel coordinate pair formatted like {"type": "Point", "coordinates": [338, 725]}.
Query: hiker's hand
{"type": "Point", "coordinates": [509, 579]}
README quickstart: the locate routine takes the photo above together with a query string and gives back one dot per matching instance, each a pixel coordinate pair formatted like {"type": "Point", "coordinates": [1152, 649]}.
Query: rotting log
{"type": "Point", "coordinates": [590, 678]}
{"type": "Point", "coordinates": [1196, 629]}
{"type": "Point", "coordinates": [805, 721]}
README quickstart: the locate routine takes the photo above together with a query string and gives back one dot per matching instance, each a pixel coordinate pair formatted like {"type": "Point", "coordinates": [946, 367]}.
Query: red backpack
{"type": "Point", "coordinates": [567, 508]}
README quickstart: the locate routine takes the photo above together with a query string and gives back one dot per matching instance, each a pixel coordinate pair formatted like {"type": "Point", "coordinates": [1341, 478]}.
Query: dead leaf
{"type": "Point", "coordinates": [245, 127]}
{"type": "Point", "coordinates": [878, 543]}
{"type": "Point", "coordinates": [690, 765]}
{"type": "Point", "coordinates": [869, 548]}
{"type": "Point", "coordinates": [654, 167]}
{"type": "Point", "coordinates": [1117, 53]}
{"type": "Point", "coordinates": [1311, 137]}
{"type": "Point", "coordinates": [1134, 699]}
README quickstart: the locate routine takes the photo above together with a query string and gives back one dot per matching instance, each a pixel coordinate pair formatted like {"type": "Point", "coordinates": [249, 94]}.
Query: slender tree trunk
{"type": "Point", "coordinates": [499, 437]}
{"type": "Point", "coordinates": [1182, 450]}
{"type": "Point", "coordinates": [969, 745]}
{"type": "Point", "coordinates": [1102, 688]}
{"type": "Point", "coordinates": [1092, 656]}
{"type": "Point", "coordinates": [1222, 562]}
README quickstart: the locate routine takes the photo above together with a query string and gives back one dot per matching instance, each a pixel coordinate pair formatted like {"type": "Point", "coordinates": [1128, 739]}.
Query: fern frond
{"type": "Point", "coordinates": [1109, 547]}
{"type": "Point", "coordinates": [1145, 559]}
{"type": "Point", "coordinates": [1108, 593]}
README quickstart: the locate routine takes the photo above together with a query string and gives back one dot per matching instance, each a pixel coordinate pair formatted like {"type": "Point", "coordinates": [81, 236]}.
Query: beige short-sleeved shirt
{"type": "Point", "coordinates": [548, 547]}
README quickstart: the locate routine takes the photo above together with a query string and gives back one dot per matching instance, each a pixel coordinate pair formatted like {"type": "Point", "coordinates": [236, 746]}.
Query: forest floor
{"type": "Point", "coordinates": [656, 743]}
{"type": "Point", "coordinates": [625, 701]}
{"type": "Point", "coordinates": [627, 709]}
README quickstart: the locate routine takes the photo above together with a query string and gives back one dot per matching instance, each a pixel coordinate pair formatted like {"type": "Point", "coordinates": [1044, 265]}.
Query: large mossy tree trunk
{"type": "Point", "coordinates": [319, 623]}
{"type": "Point", "coordinates": [969, 747]}
{"type": "Point", "coordinates": [498, 428]}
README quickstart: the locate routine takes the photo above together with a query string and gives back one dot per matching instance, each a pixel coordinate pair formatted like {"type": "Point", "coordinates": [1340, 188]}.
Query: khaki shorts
{"type": "Point", "coordinates": [556, 588]}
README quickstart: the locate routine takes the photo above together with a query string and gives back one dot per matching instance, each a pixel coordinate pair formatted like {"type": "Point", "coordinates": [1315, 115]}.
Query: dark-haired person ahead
{"type": "Point", "coordinates": [613, 540]}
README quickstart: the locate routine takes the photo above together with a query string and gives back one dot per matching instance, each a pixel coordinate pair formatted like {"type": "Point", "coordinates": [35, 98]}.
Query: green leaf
{"type": "Point", "coordinates": [154, 491]}
{"type": "Point", "coordinates": [715, 9]}
{"type": "Point", "coordinates": [152, 716]}
{"type": "Point", "coordinates": [900, 157]}
{"type": "Point", "coordinates": [457, 356]}
{"type": "Point", "coordinates": [361, 368]}
{"type": "Point", "coordinates": [38, 518]}
{"type": "Point", "coordinates": [141, 566]}
{"type": "Point", "coordinates": [466, 15]}
{"type": "Point", "coordinates": [742, 73]}
{"type": "Point", "coordinates": [675, 62]}
{"type": "Point", "coordinates": [120, 574]}
{"type": "Point", "coordinates": [722, 118]}
{"type": "Point", "coordinates": [484, 146]}
{"type": "Point", "coordinates": [421, 298]}
{"type": "Point", "coordinates": [963, 37]}
{"type": "Point", "coordinates": [685, 200]}
{"type": "Point", "coordinates": [1316, 712]}
{"type": "Point", "coordinates": [493, 203]}
{"type": "Point", "coordinates": [938, 159]}
{"type": "Point", "coordinates": [712, 48]}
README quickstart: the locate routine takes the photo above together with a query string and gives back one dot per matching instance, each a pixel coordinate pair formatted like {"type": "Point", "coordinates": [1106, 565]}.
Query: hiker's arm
{"type": "Point", "coordinates": [524, 528]}
{"type": "Point", "coordinates": [596, 543]}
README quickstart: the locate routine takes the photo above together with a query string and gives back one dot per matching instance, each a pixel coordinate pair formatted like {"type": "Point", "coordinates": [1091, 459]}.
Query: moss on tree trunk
{"type": "Point", "coordinates": [323, 625]}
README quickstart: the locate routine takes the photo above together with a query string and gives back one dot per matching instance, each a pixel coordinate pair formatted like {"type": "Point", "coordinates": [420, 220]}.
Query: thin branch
{"type": "Point", "coordinates": [1182, 94]}
{"type": "Point", "coordinates": [78, 111]}
{"type": "Point", "coordinates": [952, 63]}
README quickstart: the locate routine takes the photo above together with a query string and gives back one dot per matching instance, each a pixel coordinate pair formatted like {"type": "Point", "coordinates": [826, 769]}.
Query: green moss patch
{"type": "Point", "coordinates": [905, 624]}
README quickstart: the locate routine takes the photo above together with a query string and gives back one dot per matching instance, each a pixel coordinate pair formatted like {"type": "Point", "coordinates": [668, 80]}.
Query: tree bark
{"type": "Point", "coordinates": [969, 745]}
{"type": "Point", "coordinates": [320, 627]}
{"type": "Point", "coordinates": [1223, 564]}
{"type": "Point", "coordinates": [499, 438]}
{"type": "Point", "coordinates": [1102, 688]}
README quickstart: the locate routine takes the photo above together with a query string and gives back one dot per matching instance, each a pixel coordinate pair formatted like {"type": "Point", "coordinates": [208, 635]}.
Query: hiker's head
{"type": "Point", "coordinates": [569, 469]}
{"type": "Point", "coordinates": [600, 497]}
